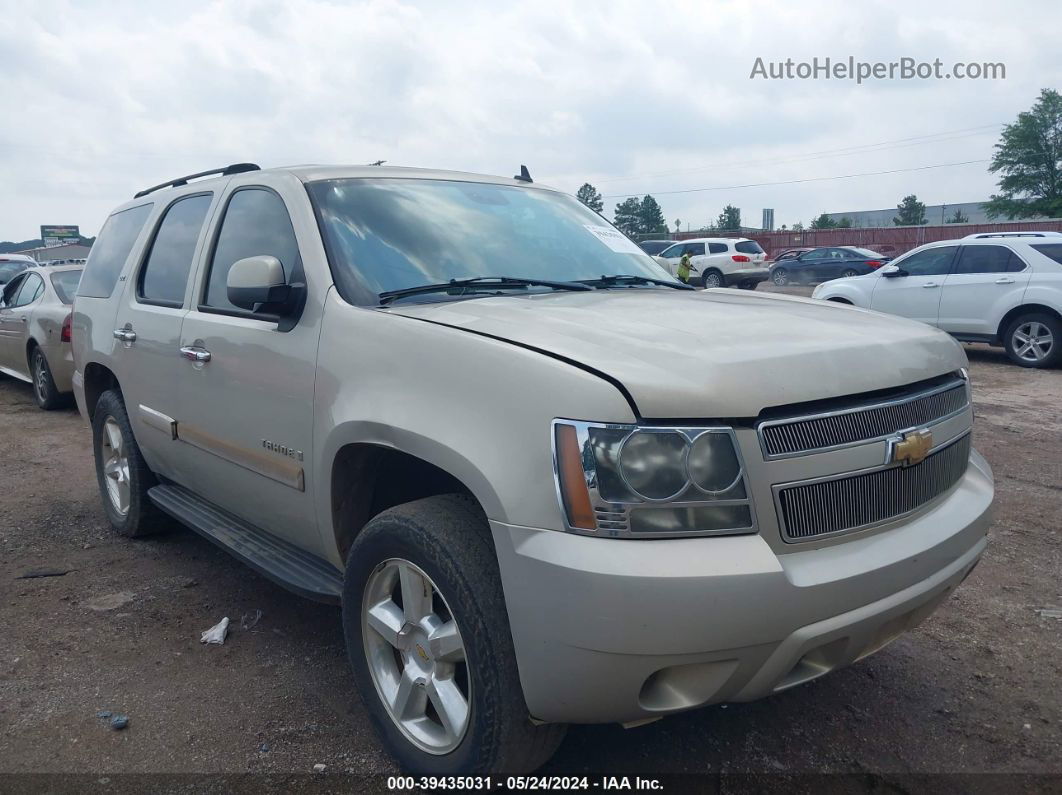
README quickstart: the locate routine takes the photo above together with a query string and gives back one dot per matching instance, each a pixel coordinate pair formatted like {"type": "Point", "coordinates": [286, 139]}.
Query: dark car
{"type": "Point", "coordinates": [823, 264]}
{"type": "Point", "coordinates": [790, 253]}
{"type": "Point", "coordinates": [654, 247]}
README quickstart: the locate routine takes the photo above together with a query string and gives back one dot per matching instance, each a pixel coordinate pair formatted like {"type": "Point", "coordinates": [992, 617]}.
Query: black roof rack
{"type": "Point", "coordinates": [235, 168]}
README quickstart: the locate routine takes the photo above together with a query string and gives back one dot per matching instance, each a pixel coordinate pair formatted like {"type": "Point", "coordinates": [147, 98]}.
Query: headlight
{"type": "Point", "coordinates": [636, 481]}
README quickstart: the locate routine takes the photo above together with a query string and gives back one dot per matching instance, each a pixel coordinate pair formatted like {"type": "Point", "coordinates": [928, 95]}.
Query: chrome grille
{"type": "Point", "coordinates": [861, 424]}
{"type": "Point", "coordinates": [854, 501]}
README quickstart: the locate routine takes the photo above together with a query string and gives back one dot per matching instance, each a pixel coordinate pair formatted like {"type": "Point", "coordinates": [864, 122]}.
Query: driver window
{"type": "Point", "coordinates": [931, 262]}
{"type": "Point", "coordinates": [32, 287]}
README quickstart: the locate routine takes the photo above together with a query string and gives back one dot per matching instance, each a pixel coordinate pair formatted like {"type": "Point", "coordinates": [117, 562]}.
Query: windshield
{"type": "Point", "coordinates": [390, 234]}
{"type": "Point", "coordinates": [65, 284]}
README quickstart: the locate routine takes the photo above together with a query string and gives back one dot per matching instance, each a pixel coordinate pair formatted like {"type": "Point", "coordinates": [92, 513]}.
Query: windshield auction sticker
{"type": "Point", "coordinates": [616, 241]}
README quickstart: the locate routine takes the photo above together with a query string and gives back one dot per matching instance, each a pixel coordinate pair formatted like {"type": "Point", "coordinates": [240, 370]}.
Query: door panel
{"type": "Point", "coordinates": [10, 323]}
{"type": "Point", "coordinates": [986, 282]}
{"type": "Point", "coordinates": [916, 295]}
{"type": "Point", "coordinates": [15, 323]}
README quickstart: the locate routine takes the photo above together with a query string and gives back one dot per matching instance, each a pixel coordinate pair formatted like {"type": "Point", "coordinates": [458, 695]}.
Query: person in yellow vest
{"type": "Point", "coordinates": [684, 268]}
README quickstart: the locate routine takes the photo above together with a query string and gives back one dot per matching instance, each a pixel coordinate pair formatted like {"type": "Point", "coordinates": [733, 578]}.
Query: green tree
{"type": "Point", "coordinates": [589, 196]}
{"type": "Point", "coordinates": [823, 222]}
{"type": "Point", "coordinates": [628, 217]}
{"type": "Point", "coordinates": [911, 212]}
{"type": "Point", "coordinates": [730, 219]}
{"type": "Point", "coordinates": [958, 218]}
{"type": "Point", "coordinates": [651, 216]}
{"type": "Point", "coordinates": [1029, 156]}
{"type": "Point", "coordinates": [845, 223]}
{"type": "Point", "coordinates": [798, 226]}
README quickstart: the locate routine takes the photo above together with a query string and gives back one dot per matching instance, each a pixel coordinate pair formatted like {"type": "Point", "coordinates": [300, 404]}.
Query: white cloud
{"type": "Point", "coordinates": [101, 99]}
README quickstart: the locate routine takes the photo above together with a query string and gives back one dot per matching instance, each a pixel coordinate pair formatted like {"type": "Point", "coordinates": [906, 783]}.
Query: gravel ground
{"type": "Point", "coordinates": [976, 688]}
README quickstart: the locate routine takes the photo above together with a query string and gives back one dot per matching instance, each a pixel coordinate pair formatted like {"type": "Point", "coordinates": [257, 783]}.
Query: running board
{"type": "Point", "coordinates": [282, 562]}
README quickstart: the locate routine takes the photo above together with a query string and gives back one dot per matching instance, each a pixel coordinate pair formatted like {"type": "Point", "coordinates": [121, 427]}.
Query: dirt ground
{"type": "Point", "coordinates": [976, 688]}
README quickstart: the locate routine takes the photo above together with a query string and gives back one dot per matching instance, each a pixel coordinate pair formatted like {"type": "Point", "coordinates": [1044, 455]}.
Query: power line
{"type": "Point", "coordinates": [797, 181]}
{"type": "Point", "coordinates": [918, 140]}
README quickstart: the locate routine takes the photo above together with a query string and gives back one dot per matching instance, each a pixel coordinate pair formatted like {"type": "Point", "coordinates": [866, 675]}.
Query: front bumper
{"type": "Point", "coordinates": [610, 630]}
{"type": "Point", "coordinates": [746, 276]}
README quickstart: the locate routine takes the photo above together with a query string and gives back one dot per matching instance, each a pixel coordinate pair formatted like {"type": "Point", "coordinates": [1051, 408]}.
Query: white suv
{"type": "Point", "coordinates": [1002, 288]}
{"type": "Point", "coordinates": [719, 261]}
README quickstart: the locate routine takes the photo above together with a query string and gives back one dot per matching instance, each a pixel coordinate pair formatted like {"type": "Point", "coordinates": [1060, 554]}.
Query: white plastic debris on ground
{"type": "Point", "coordinates": [216, 634]}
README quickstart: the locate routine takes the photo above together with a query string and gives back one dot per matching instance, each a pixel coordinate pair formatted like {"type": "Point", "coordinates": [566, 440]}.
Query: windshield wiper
{"type": "Point", "coordinates": [624, 278]}
{"type": "Point", "coordinates": [500, 282]}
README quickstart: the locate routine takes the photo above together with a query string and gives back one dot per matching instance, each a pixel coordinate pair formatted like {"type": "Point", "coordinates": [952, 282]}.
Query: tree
{"type": "Point", "coordinates": [628, 216]}
{"type": "Point", "coordinates": [589, 196]}
{"type": "Point", "coordinates": [823, 222]}
{"type": "Point", "coordinates": [651, 216]}
{"type": "Point", "coordinates": [845, 223]}
{"type": "Point", "coordinates": [1029, 156]}
{"type": "Point", "coordinates": [958, 218]}
{"type": "Point", "coordinates": [798, 226]}
{"type": "Point", "coordinates": [912, 212]}
{"type": "Point", "coordinates": [729, 219]}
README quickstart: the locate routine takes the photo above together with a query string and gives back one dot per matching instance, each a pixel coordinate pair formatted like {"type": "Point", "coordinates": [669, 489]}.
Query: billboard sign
{"type": "Point", "coordinates": [59, 235]}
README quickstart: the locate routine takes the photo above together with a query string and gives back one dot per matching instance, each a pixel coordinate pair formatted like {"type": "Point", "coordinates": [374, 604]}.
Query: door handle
{"type": "Point", "coordinates": [22, 319]}
{"type": "Point", "coordinates": [194, 354]}
{"type": "Point", "coordinates": [125, 334]}
{"type": "Point", "coordinates": [931, 284]}
{"type": "Point", "coordinates": [1005, 280]}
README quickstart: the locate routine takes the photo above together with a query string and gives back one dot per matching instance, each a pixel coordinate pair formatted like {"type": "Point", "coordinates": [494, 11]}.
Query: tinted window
{"type": "Point", "coordinates": [165, 273]}
{"type": "Point", "coordinates": [11, 290]}
{"type": "Point", "coordinates": [819, 253]}
{"type": "Point", "coordinates": [674, 251]}
{"type": "Point", "coordinates": [748, 247]}
{"type": "Point", "coordinates": [655, 246]}
{"type": "Point", "coordinates": [109, 252]}
{"type": "Point", "coordinates": [386, 234]}
{"type": "Point", "coordinates": [65, 284]}
{"type": "Point", "coordinates": [866, 252]}
{"type": "Point", "coordinates": [695, 249]}
{"type": "Point", "coordinates": [987, 259]}
{"type": "Point", "coordinates": [931, 262]}
{"type": "Point", "coordinates": [1052, 250]}
{"type": "Point", "coordinates": [32, 287]}
{"type": "Point", "coordinates": [256, 222]}
{"type": "Point", "coordinates": [717, 248]}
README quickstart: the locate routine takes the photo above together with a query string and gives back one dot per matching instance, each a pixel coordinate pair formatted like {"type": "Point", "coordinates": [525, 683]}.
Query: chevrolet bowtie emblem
{"type": "Point", "coordinates": [911, 447]}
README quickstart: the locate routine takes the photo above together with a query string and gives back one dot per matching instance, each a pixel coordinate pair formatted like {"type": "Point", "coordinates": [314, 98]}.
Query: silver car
{"type": "Point", "coordinates": [35, 317]}
{"type": "Point", "coordinates": [546, 482]}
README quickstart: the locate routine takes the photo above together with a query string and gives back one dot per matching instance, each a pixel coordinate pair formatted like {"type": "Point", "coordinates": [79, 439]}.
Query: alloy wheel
{"type": "Point", "coordinates": [712, 280]}
{"type": "Point", "coordinates": [115, 466]}
{"type": "Point", "coordinates": [40, 376]}
{"type": "Point", "coordinates": [1032, 341]}
{"type": "Point", "coordinates": [780, 277]}
{"type": "Point", "coordinates": [416, 656]}
{"type": "Point", "coordinates": [848, 274]}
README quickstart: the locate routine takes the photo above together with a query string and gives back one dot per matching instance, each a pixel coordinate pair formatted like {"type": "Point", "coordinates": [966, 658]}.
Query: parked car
{"type": "Point", "coordinates": [13, 264]}
{"type": "Point", "coordinates": [789, 253]}
{"type": "Point", "coordinates": [823, 264]}
{"type": "Point", "coordinates": [719, 261]}
{"type": "Point", "coordinates": [654, 247]}
{"type": "Point", "coordinates": [545, 485]}
{"type": "Point", "coordinates": [1003, 290]}
{"type": "Point", "coordinates": [35, 321]}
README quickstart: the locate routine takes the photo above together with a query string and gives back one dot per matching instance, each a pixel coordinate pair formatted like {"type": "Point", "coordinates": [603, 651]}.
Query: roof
{"type": "Point", "coordinates": [713, 240]}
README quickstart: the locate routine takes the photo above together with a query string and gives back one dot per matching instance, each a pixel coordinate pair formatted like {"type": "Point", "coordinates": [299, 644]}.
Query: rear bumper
{"type": "Point", "coordinates": [611, 630]}
{"type": "Point", "coordinates": [746, 276]}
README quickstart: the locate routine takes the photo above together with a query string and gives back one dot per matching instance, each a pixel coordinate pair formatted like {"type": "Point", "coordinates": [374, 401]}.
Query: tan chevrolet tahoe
{"type": "Point", "coordinates": [545, 482]}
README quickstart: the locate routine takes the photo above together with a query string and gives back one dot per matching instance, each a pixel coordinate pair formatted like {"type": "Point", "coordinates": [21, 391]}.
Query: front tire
{"type": "Point", "coordinates": [780, 277]}
{"type": "Point", "coordinates": [121, 473]}
{"type": "Point", "coordinates": [45, 392]}
{"type": "Point", "coordinates": [428, 638]}
{"type": "Point", "coordinates": [1034, 340]}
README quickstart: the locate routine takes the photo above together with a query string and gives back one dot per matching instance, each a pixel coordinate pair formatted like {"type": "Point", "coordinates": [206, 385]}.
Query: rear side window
{"type": "Point", "coordinates": [748, 247]}
{"type": "Point", "coordinates": [717, 248]}
{"type": "Point", "coordinates": [110, 251]}
{"type": "Point", "coordinates": [256, 222]}
{"type": "Point", "coordinates": [169, 261]}
{"type": "Point", "coordinates": [1052, 250]}
{"type": "Point", "coordinates": [65, 284]}
{"type": "Point", "coordinates": [988, 259]}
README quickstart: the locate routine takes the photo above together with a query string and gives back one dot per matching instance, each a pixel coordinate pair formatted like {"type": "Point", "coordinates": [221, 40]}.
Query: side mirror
{"type": "Point", "coordinates": [891, 271]}
{"type": "Point", "coordinates": [257, 280]}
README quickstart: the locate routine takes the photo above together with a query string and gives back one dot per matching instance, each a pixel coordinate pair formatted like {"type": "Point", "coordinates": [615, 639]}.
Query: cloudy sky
{"type": "Point", "coordinates": [101, 99]}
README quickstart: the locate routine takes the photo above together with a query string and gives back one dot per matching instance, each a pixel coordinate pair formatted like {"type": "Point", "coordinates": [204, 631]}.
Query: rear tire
{"type": "Point", "coordinates": [44, 391]}
{"type": "Point", "coordinates": [438, 548]}
{"type": "Point", "coordinates": [122, 475]}
{"type": "Point", "coordinates": [849, 273]}
{"type": "Point", "coordinates": [780, 277]}
{"type": "Point", "coordinates": [1034, 340]}
{"type": "Point", "coordinates": [712, 278]}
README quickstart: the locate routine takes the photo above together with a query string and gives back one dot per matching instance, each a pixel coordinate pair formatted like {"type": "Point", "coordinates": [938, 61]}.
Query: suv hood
{"type": "Point", "coordinates": [711, 354]}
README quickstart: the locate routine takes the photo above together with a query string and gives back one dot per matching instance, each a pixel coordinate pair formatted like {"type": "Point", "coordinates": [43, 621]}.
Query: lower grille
{"type": "Point", "coordinates": [855, 501]}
